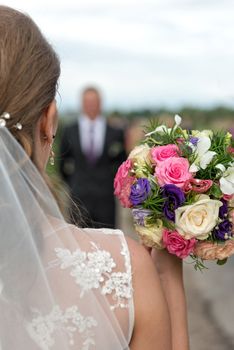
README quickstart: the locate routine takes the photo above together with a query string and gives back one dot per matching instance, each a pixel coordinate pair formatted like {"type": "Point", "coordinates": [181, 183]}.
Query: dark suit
{"type": "Point", "coordinates": [91, 185]}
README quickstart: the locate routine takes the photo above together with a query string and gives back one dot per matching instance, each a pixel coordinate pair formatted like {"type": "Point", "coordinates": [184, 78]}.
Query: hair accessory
{"type": "Point", "coordinates": [3, 118]}
{"type": "Point", "coordinates": [3, 121]}
{"type": "Point", "coordinates": [18, 126]}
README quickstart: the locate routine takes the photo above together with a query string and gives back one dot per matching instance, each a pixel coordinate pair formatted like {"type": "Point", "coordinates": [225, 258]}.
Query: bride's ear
{"type": "Point", "coordinates": [49, 122]}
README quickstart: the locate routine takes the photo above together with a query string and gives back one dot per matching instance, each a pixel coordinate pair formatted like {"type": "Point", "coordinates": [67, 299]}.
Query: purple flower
{"type": "Point", "coordinates": [223, 210]}
{"type": "Point", "coordinates": [139, 191]}
{"type": "Point", "coordinates": [174, 198]}
{"type": "Point", "coordinates": [139, 216]}
{"type": "Point", "coordinates": [194, 140]}
{"type": "Point", "coordinates": [223, 231]}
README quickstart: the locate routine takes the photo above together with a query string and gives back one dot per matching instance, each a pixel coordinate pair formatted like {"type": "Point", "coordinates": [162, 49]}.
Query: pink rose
{"type": "Point", "coordinates": [161, 153]}
{"type": "Point", "coordinates": [173, 171]}
{"type": "Point", "coordinates": [178, 245]}
{"type": "Point", "coordinates": [123, 182]}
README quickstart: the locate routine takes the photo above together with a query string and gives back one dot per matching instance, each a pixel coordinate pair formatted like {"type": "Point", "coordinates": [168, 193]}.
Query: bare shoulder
{"type": "Point", "coordinates": [140, 258]}
{"type": "Point", "coordinates": [152, 323]}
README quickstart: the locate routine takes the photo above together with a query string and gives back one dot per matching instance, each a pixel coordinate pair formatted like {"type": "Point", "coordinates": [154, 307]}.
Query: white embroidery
{"type": "Point", "coordinates": [87, 268]}
{"type": "Point", "coordinates": [95, 270]}
{"type": "Point", "coordinates": [120, 282]}
{"type": "Point", "coordinates": [42, 328]}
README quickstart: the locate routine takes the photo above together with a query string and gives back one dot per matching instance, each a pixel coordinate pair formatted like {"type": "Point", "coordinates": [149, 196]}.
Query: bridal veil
{"type": "Point", "coordinates": [61, 287]}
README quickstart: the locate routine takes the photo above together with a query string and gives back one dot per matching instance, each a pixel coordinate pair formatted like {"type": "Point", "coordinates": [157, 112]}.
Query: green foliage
{"type": "Point", "coordinates": [219, 145]}
{"type": "Point", "coordinates": [155, 201]}
{"type": "Point", "coordinates": [222, 262]}
{"type": "Point", "coordinates": [198, 263]}
{"type": "Point", "coordinates": [168, 224]}
{"type": "Point", "coordinates": [163, 137]}
{"type": "Point", "coordinates": [152, 125]}
{"type": "Point", "coordinates": [215, 191]}
{"type": "Point", "coordinates": [190, 198]}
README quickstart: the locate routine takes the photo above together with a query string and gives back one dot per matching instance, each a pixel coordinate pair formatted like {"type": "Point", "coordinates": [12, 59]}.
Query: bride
{"type": "Point", "coordinates": [63, 287]}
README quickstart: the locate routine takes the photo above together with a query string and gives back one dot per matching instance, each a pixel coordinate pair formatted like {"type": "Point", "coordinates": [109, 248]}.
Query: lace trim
{"type": "Point", "coordinates": [105, 231]}
{"type": "Point", "coordinates": [42, 328]}
{"type": "Point", "coordinates": [94, 270]}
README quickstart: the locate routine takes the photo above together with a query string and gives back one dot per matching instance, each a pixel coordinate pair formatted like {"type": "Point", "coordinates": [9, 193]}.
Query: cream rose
{"type": "Point", "coordinates": [197, 220]}
{"type": "Point", "coordinates": [140, 154]}
{"type": "Point", "coordinates": [151, 235]}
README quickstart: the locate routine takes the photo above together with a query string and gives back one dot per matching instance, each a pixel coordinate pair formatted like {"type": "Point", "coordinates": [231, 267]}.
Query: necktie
{"type": "Point", "coordinates": [91, 154]}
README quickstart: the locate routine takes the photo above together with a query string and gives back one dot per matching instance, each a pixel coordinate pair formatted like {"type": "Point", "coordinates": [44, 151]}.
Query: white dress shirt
{"type": "Point", "coordinates": [98, 127]}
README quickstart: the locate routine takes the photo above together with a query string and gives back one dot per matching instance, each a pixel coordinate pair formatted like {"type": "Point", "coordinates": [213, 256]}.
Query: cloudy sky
{"type": "Point", "coordinates": [147, 53]}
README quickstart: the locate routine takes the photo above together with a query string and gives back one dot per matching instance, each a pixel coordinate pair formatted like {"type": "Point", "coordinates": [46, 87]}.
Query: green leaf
{"type": "Point", "coordinates": [215, 191]}
{"type": "Point", "coordinates": [222, 262]}
{"type": "Point", "coordinates": [168, 224]}
{"type": "Point", "coordinates": [198, 263]}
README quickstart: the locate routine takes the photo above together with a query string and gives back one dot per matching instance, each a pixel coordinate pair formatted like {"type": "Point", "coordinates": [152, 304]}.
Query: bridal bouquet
{"type": "Point", "coordinates": [180, 187]}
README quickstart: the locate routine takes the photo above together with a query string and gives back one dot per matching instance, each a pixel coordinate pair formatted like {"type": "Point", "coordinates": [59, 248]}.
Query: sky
{"type": "Point", "coordinates": [141, 53]}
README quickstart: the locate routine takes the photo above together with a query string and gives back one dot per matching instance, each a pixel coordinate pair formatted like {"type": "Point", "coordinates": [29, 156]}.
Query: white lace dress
{"type": "Point", "coordinates": [96, 272]}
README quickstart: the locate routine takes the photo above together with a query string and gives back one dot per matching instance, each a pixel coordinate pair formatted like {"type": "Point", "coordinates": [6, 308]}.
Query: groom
{"type": "Point", "coordinates": [91, 151]}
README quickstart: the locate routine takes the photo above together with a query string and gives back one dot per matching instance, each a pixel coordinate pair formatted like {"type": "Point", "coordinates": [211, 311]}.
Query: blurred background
{"type": "Point", "coordinates": [151, 59]}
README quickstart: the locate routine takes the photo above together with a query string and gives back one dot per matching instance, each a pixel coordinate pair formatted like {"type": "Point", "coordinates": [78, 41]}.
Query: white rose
{"type": "Point", "coordinates": [151, 235]}
{"type": "Point", "coordinates": [140, 154]}
{"type": "Point", "coordinates": [197, 220]}
{"type": "Point", "coordinates": [227, 181]}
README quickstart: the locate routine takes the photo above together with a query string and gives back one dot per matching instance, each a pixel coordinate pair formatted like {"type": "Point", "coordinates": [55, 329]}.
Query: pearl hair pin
{"type": "Point", "coordinates": [3, 121]}
{"type": "Point", "coordinates": [18, 126]}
